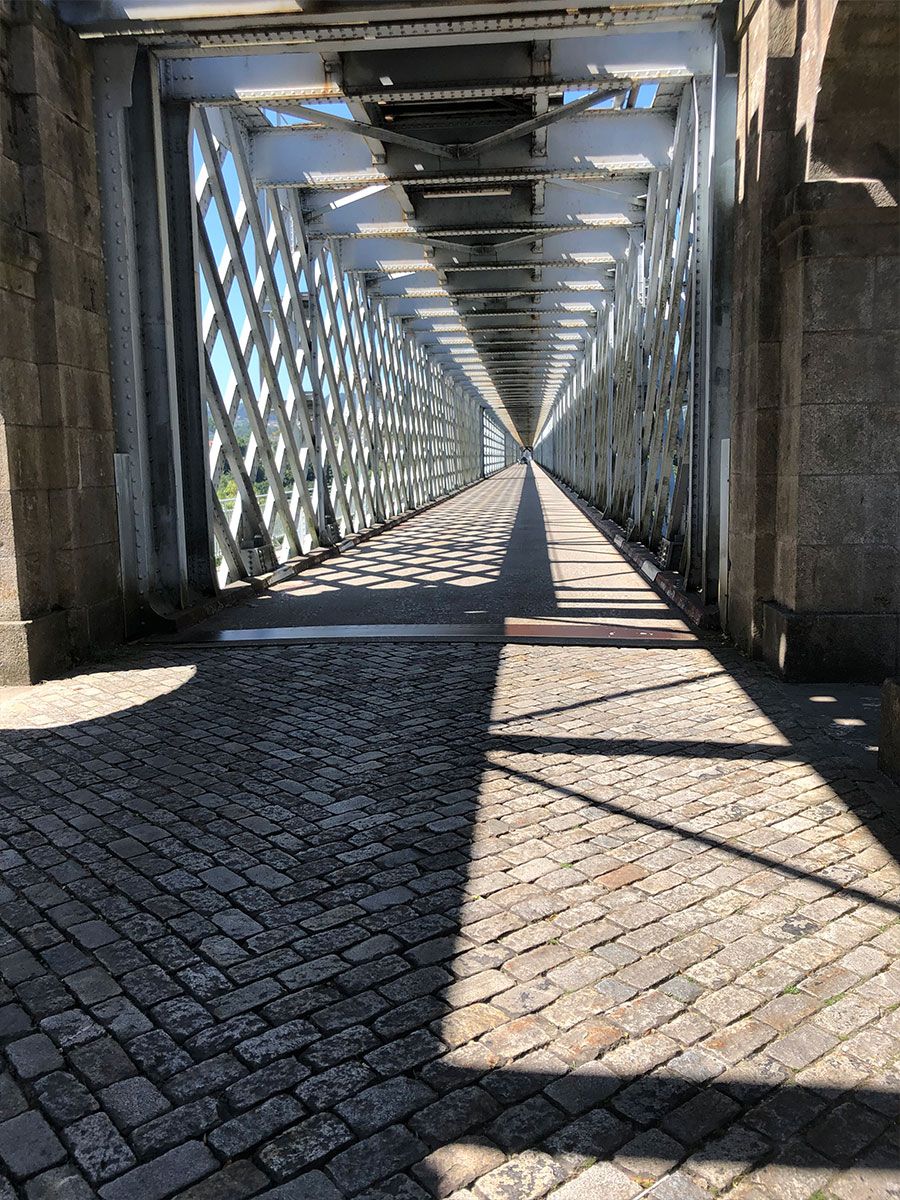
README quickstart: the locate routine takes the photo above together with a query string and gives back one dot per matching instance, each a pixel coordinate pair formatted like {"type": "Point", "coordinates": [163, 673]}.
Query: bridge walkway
{"type": "Point", "coordinates": [511, 556]}
{"type": "Point", "coordinates": [385, 919]}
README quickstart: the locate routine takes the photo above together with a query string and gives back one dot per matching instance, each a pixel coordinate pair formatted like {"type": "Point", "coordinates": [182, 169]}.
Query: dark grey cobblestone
{"type": "Point", "coordinates": [98, 1148]}
{"type": "Point", "coordinates": [405, 922]}
{"type": "Point", "coordinates": [164, 1176]}
{"type": "Point", "coordinates": [190, 1120]}
{"type": "Point", "coordinates": [235, 1182]}
{"type": "Point", "coordinates": [276, 1077]}
{"type": "Point", "coordinates": [133, 1102]}
{"type": "Point", "coordinates": [64, 1098]}
{"type": "Point", "coordinates": [236, 1136]}
{"type": "Point", "coordinates": [33, 1056]}
{"type": "Point", "coordinates": [308, 1142]}
{"type": "Point", "coordinates": [28, 1145]}
{"type": "Point", "coordinates": [61, 1183]}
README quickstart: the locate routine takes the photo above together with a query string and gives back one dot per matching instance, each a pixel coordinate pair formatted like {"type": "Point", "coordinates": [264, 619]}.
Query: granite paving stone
{"type": "Point", "coordinates": [28, 1145]}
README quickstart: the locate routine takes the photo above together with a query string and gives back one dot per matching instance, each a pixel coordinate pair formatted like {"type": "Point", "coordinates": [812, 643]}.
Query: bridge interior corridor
{"type": "Point", "coordinates": [511, 548]}
{"type": "Point", "coordinates": [449, 862]}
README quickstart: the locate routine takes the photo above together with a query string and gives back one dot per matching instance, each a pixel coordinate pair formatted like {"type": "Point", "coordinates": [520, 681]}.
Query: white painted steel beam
{"type": "Point", "coordinates": [633, 140]}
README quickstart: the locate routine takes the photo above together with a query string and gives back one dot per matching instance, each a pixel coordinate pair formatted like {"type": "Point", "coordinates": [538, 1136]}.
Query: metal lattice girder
{"type": "Point", "coordinates": [324, 415]}
{"type": "Point", "coordinates": [624, 429]}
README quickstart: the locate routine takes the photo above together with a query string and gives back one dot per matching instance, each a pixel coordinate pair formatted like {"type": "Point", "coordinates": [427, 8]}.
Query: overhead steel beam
{"type": "Point", "coordinates": [481, 339]}
{"type": "Point", "coordinates": [486, 323]}
{"type": "Point", "coordinates": [557, 302]}
{"type": "Point", "coordinates": [301, 155]}
{"type": "Point", "coordinates": [588, 247]}
{"type": "Point", "coordinates": [474, 177]}
{"type": "Point", "coordinates": [536, 289]}
{"type": "Point", "coordinates": [495, 283]}
{"type": "Point", "coordinates": [649, 52]}
{"type": "Point", "coordinates": [189, 34]}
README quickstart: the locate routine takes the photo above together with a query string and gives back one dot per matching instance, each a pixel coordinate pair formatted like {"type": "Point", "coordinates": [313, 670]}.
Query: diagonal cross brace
{"type": "Point", "coordinates": [470, 149]}
{"type": "Point", "coordinates": [462, 149]}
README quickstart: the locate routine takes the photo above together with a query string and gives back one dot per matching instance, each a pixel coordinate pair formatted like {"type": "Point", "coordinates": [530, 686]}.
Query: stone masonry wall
{"type": "Point", "coordinates": [814, 582]}
{"type": "Point", "coordinates": [59, 584]}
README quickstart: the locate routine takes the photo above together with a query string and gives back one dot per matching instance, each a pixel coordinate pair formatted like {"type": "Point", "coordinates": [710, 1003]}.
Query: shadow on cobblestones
{"type": "Point", "coordinates": [889, 835]}
{"type": "Point", "coordinates": [398, 921]}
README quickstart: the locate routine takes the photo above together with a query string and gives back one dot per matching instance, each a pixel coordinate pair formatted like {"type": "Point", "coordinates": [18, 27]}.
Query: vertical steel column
{"type": "Point", "coordinates": [148, 238]}
{"type": "Point", "coordinates": [703, 91]}
{"type": "Point", "coordinates": [156, 324]}
{"type": "Point", "coordinates": [113, 73]}
{"type": "Point", "coordinates": [186, 350]}
{"type": "Point", "coordinates": [610, 352]}
{"type": "Point", "coordinates": [722, 182]}
{"type": "Point", "coordinates": [715, 100]}
{"type": "Point", "coordinates": [637, 309]}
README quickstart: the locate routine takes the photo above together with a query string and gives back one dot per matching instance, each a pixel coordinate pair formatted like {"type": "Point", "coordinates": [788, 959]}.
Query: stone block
{"type": "Point", "coordinates": [57, 205]}
{"type": "Point", "coordinates": [17, 319]}
{"type": "Point", "coordinates": [9, 582]}
{"type": "Point", "coordinates": [849, 578]}
{"type": "Point", "coordinates": [33, 650]}
{"type": "Point", "coordinates": [21, 465]}
{"type": "Point", "coordinates": [849, 367]}
{"type": "Point", "coordinates": [96, 463]}
{"type": "Point", "coordinates": [887, 291]}
{"type": "Point", "coordinates": [75, 396]}
{"type": "Point", "coordinates": [78, 624]}
{"type": "Point", "coordinates": [836, 439]}
{"type": "Point", "coordinates": [30, 518]}
{"type": "Point", "coordinates": [19, 391]}
{"type": "Point", "coordinates": [830, 645]}
{"type": "Point", "coordinates": [17, 279]}
{"type": "Point", "coordinates": [865, 237]}
{"type": "Point", "coordinates": [845, 509]}
{"type": "Point", "coordinates": [889, 735]}
{"type": "Point", "coordinates": [80, 517]}
{"type": "Point", "coordinates": [839, 293]}
{"type": "Point", "coordinates": [12, 210]}
{"type": "Point", "coordinates": [785, 574]}
{"type": "Point", "coordinates": [79, 338]}
{"type": "Point", "coordinates": [35, 580]}
{"type": "Point", "coordinates": [105, 621]}
{"type": "Point", "coordinates": [7, 546]}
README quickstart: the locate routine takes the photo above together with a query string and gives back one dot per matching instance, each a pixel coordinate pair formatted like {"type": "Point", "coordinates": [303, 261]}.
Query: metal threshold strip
{"type": "Point", "coordinates": [511, 630]}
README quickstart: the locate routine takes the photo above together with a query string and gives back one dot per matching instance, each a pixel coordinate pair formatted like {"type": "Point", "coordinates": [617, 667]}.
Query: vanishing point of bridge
{"type": "Point", "coordinates": [448, 499]}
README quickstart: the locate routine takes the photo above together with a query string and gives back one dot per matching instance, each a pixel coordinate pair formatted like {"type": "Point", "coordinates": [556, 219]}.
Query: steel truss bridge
{"type": "Point", "coordinates": [362, 254]}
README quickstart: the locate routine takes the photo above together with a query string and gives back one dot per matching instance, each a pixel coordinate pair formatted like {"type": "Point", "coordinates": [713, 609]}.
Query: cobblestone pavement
{"type": "Point", "coordinates": [410, 921]}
